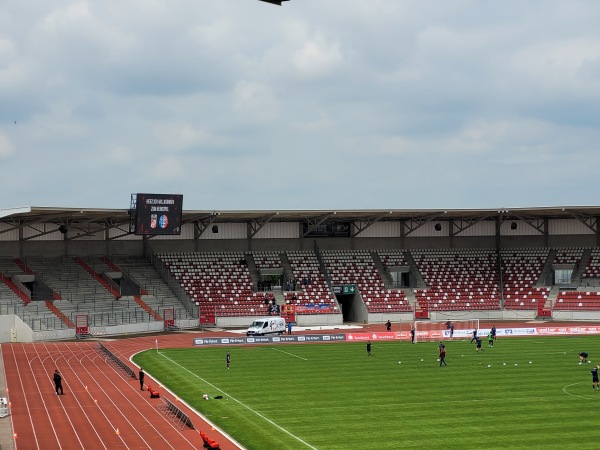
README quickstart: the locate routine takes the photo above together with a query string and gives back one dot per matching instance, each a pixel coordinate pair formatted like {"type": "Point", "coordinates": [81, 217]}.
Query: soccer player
{"type": "Point", "coordinates": [368, 348]}
{"type": "Point", "coordinates": [474, 338]}
{"type": "Point", "coordinates": [595, 382]}
{"type": "Point", "coordinates": [228, 360]}
{"type": "Point", "coordinates": [490, 339]}
{"type": "Point", "coordinates": [442, 348]}
{"type": "Point", "coordinates": [412, 335]}
{"type": "Point", "coordinates": [388, 326]}
{"type": "Point", "coordinates": [583, 357]}
{"type": "Point", "coordinates": [494, 331]}
{"type": "Point", "coordinates": [478, 347]}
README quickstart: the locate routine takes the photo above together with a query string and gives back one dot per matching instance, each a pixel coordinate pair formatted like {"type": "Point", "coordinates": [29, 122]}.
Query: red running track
{"type": "Point", "coordinates": [102, 407]}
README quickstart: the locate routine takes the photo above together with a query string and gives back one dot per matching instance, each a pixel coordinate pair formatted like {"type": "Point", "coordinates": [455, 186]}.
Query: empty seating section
{"type": "Point", "coordinates": [458, 279]}
{"type": "Point", "coordinates": [221, 283]}
{"type": "Point", "coordinates": [577, 300]}
{"type": "Point", "coordinates": [357, 267]}
{"type": "Point", "coordinates": [217, 282]}
{"type": "Point", "coordinates": [392, 258]}
{"type": "Point", "coordinates": [155, 292]}
{"type": "Point", "coordinates": [592, 270]}
{"type": "Point", "coordinates": [521, 270]}
{"type": "Point", "coordinates": [267, 260]}
{"type": "Point", "coordinates": [568, 256]}
{"type": "Point", "coordinates": [305, 265]}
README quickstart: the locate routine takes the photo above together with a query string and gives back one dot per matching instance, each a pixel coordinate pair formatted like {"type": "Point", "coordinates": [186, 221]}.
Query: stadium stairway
{"type": "Point", "coordinates": [251, 264]}
{"type": "Point", "coordinates": [23, 266]}
{"type": "Point", "coordinates": [147, 308]}
{"type": "Point", "coordinates": [552, 296]}
{"type": "Point", "coordinates": [59, 314]}
{"type": "Point", "coordinates": [383, 273]}
{"type": "Point", "coordinates": [97, 277]}
{"type": "Point", "coordinates": [415, 270]}
{"type": "Point", "coordinates": [577, 276]}
{"type": "Point", "coordinates": [547, 270]}
{"type": "Point", "coordinates": [15, 289]}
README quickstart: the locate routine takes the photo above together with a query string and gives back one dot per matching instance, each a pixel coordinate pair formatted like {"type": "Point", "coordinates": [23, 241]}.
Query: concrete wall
{"type": "Point", "coordinates": [13, 329]}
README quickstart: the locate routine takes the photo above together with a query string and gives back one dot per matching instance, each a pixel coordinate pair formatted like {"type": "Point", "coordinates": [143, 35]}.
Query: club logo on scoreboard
{"type": "Point", "coordinates": [163, 222]}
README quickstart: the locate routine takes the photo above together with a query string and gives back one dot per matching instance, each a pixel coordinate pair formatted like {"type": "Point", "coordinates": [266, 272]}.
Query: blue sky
{"type": "Point", "coordinates": [318, 104]}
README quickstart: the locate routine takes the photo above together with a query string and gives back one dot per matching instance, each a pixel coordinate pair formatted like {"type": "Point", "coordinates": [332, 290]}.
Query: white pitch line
{"type": "Point", "coordinates": [576, 395]}
{"type": "Point", "coordinates": [240, 403]}
{"type": "Point", "coordinates": [287, 353]}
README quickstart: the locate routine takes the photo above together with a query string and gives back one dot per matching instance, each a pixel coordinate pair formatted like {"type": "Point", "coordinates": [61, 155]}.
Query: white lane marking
{"type": "Point", "coordinates": [240, 403]}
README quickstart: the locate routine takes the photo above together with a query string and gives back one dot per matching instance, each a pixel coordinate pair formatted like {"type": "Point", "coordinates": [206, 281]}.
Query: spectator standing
{"type": "Point", "coordinates": [388, 326]}
{"type": "Point", "coordinates": [141, 375]}
{"type": "Point", "coordinates": [58, 382]}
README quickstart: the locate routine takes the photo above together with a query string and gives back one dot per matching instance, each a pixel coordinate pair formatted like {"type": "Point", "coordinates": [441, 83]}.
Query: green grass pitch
{"type": "Point", "coordinates": [523, 393]}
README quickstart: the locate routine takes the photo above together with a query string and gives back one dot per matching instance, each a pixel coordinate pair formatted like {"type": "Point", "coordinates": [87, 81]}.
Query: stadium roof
{"type": "Point", "coordinates": [113, 217]}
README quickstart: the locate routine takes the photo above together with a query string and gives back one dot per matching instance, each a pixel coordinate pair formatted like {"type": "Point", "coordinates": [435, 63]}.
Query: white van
{"type": "Point", "coordinates": [266, 325]}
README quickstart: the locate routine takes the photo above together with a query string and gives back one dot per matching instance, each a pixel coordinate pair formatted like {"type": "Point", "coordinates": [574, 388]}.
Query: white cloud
{"type": "Point", "coordinates": [168, 168]}
{"type": "Point", "coordinates": [445, 100]}
{"type": "Point", "coordinates": [254, 100]}
{"type": "Point", "coordinates": [179, 136]}
{"type": "Point", "coordinates": [317, 56]}
{"type": "Point", "coordinates": [6, 147]}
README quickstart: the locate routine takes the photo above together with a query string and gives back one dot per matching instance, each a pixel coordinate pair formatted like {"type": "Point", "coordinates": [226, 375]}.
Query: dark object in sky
{"type": "Point", "coordinates": [275, 2]}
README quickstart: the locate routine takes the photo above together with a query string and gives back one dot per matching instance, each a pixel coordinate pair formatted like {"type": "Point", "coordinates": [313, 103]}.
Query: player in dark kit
{"type": "Point", "coordinates": [442, 348]}
{"type": "Point", "coordinates": [583, 356]}
{"type": "Point", "coordinates": [478, 347]}
{"type": "Point", "coordinates": [474, 338]}
{"type": "Point", "coordinates": [494, 331]}
{"type": "Point", "coordinates": [412, 335]}
{"type": "Point", "coordinates": [58, 382]}
{"type": "Point", "coordinates": [595, 382]}
{"type": "Point", "coordinates": [368, 348]}
{"type": "Point", "coordinates": [228, 359]}
{"type": "Point", "coordinates": [141, 375]}
{"type": "Point", "coordinates": [388, 326]}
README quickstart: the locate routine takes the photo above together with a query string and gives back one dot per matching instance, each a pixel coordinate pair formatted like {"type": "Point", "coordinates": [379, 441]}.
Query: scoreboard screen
{"type": "Point", "coordinates": [158, 214]}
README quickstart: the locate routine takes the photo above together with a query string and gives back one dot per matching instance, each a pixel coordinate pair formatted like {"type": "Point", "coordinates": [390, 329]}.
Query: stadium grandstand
{"type": "Point", "coordinates": [67, 273]}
